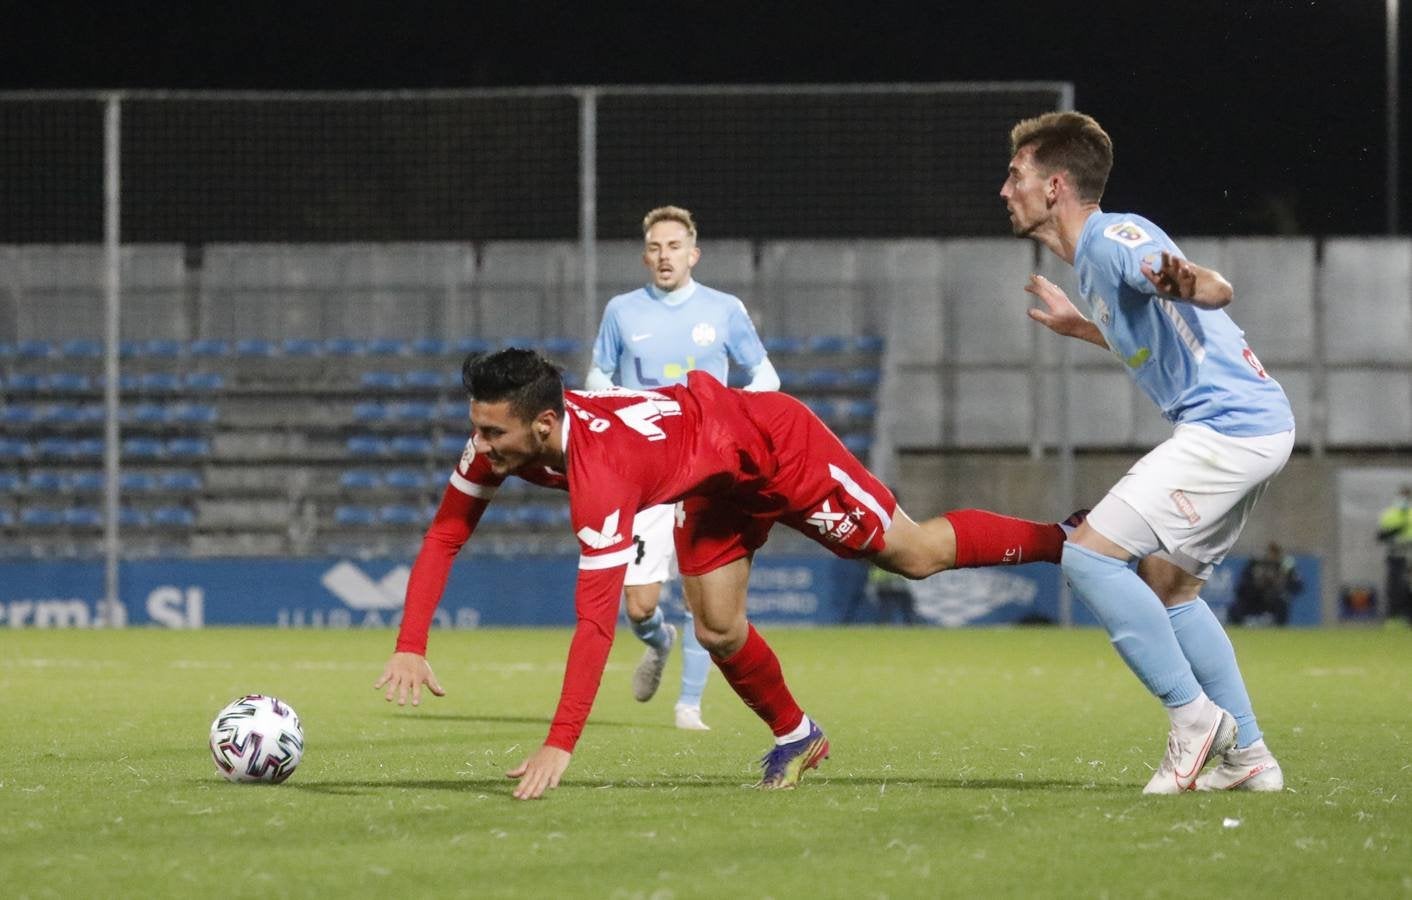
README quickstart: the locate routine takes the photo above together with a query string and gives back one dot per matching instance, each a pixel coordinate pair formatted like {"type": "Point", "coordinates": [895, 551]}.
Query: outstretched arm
{"type": "Point", "coordinates": [1059, 315]}
{"type": "Point", "coordinates": [1184, 280]}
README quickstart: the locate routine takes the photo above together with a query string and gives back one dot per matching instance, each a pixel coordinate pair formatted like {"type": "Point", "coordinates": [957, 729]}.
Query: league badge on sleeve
{"type": "Point", "coordinates": [1127, 233]}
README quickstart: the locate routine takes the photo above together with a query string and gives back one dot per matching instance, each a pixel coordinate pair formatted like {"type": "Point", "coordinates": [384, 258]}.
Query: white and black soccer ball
{"type": "Point", "coordinates": [257, 738]}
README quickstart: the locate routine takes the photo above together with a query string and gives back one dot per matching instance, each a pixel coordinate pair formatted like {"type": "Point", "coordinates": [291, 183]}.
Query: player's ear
{"type": "Point", "coordinates": [544, 423]}
{"type": "Point", "coordinates": [695, 256]}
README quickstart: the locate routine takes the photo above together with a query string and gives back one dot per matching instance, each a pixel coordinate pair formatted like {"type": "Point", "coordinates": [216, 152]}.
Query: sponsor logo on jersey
{"type": "Point", "coordinates": [836, 526]}
{"type": "Point", "coordinates": [704, 334]}
{"type": "Point", "coordinates": [1127, 233]}
{"type": "Point", "coordinates": [1254, 362]}
{"type": "Point", "coordinates": [1138, 358]}
{"type": "Point", "coordinates": [1186, 507]}
{"type": "Point", "coordinates": [640, 337]}
{"type": "Point", "coordinates": [604, 537]}
{"type": "Point", "coordinates": [468, 456]}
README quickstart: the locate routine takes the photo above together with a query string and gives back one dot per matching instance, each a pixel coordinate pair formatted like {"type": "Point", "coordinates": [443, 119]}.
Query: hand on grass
{"type": "Point", "coordinates": [406, 673]}
{"type": "Point", "coordinates": [540, 772]}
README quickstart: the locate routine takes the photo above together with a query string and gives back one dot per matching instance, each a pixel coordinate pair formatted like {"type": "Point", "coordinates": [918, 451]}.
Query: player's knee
{"type": "Point", "coordinates": [720, 641]}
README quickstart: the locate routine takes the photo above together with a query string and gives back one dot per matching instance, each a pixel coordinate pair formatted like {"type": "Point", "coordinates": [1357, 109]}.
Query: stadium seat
{"type": "Point", "coordinates": [860, 409]}
{"type": "Point", "coordinates": [381, 381]}
{"type": "Point", "coordinates": [204, 381]}
{"type": "Point", "coordinates": [473, 345]}
{"type": "Point", "coordinates": [180, 481]}
{"type": "Point", "coordinates": [7, 518]}
{"type": "Point", "coordinates": [41, 517]}
{"type": "Point", "coordinates": [430, 347]}
{"type": "Point", "coordinates": [88, 482]}
{"type": "Point", "coordinates": [827, 343]}
{"type": "Point", "coordinates": [7, 350]}
{"type": "Point", "coordinates": [159, 383]}
{"type": "Point", "coordinates": [354, 516]}
{"type": "Point", "coordinates": [209, 348]}
{"type": "Point", "coordinates": [136, 483]}
{"type": "Point", "coordinates": [66, 383]}
{"type": "Point", "coordinates": [410, 445]}
{"type": "Point", "coordinates": [302, 347]}
{"type": "Point", "coordinates": [83, 517]}
{"type": "Point", "coordinates": [9, 482]}
{"type": "Point", "coordinates": [387, 347]}
{"type": "Point", "coordinates": [360, 480]}
{"type": "Point", "coordinates": [146, 414]}
{"type": "Point", "coordinates": [561, 346]}
{"type": "Point", "coordinates": [12, 449]}
{"type": "Point", "coordinates": [88, 448]}
{"type": "Point", "coordinates": [400, 515]}
{"type": "Point", "coordinates": [426, 379]}
{"type": "Point", "coordinates": [367, 445]}
{"type": "Point", "coordinates": [173, 517]}
{"type": "Point", "coordinates": [370, 411]}
{"type": "Point", "coordinates": [406, 479]}
{"type": "Point", "coordinates": [94, 414]}
{"type": "Point", "coordinates": [143, 448]}
{"type": "Point", "coordinates": [451, 444]}
{"type": "Point", "coordinates": [188, 448]}
{"type": "Point", "coordinates": [161, 348]}
{"type": "Point", "coordinates": [782, 345]}
{"type": "Point", "coordinates": [43, 481]}
{"type": "Point", "coordinates": [23, 383]}
{"type": "Point", "coordinates": [413, 412]}
{"type": "Point", "coordinates": [868, 343]}
{"type": "Point", "coordinates": [81, 348]}
{"type": "Point", "coordinates": [345, 347]}
{"type": "Point", "coordinates": [132, 517]}
{"type": "Point", "coordinates": [130, 349]}
{"type": "Point", "coordinates": [824, 379]}
{"type": "Point", "coordinates": [57, 448]}
{"type": "Point", "coordinates": [254, 348]}
{"type": "Point", "coordinates": [18, 415]}
{"type": "Point", "coordinates": [858, 442]}
{"type": "Point", "coordinates": [34, 349]}
{"type": "Point", "coordinates": [497, 515]}
{"type": "Point", "coordinates": [201, 414]}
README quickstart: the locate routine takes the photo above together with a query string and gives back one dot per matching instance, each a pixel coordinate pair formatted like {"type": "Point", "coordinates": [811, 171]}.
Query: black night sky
{"type": "Point", "coordinates": [1265, 116]}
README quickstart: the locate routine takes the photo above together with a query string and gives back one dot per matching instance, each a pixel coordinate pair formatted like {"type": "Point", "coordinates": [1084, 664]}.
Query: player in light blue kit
{"type": "Point", "coordinates": [652, 337]}
{"type": "Point", "coordinates": [1180, 508]}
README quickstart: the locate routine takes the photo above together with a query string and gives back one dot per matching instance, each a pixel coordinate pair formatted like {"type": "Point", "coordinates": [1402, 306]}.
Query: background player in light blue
{"type": "Point", "coordinates": [1181, 508]}
{"type": "Point", "coordinates": [652, 337]}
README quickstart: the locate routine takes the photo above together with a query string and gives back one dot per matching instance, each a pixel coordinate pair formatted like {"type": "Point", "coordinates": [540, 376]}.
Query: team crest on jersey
{"type": "Point", "coordinates": [1127, 234]}
{"type": "Point", "coordinates": [704, 334]}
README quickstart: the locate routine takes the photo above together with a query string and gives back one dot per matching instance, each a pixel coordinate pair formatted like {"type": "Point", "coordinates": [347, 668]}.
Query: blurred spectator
{"type": "Point", "coordinates": [1266, 587]}
{"type": "Point", "coordinates": [1395, 532]}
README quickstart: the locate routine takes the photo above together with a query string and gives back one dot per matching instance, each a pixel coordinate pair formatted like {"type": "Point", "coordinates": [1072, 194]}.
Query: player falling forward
{"type": "Point", "coordinates": [651, 337]}
{"type": "Point", "coordinates": [1180, 508]}
{"type": "Point", "coordinates": [737, 462]}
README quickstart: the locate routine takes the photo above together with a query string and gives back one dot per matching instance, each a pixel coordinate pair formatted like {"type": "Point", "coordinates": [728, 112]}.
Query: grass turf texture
{"type": "Point", "coordinates": [965, 763]}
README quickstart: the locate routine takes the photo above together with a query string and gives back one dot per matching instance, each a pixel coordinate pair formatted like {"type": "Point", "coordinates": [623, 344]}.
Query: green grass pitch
{"type": "Point", "coordinates": [965, 763]}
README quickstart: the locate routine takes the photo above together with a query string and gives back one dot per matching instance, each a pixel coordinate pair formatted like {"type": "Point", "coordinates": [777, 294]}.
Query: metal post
{"type": "Point", "coordinates": [1068, 488]}
{"type": "Point", "coordinates": [112, 196]}
{"type": "Point", "coordinates": [588, 207]}
{"type": "Point", "coordinates": [1393, 190]}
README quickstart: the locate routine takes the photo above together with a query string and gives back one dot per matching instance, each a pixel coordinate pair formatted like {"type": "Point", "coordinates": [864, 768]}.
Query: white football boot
{"type": "Point", "coordinates": [1252, 768]}
{"type": "Point", "coordinates": [689, 718]}
{"type": "Point", "coordinates": [1189, 749]}
{"type": "Point", "coordinates": [648, 674]}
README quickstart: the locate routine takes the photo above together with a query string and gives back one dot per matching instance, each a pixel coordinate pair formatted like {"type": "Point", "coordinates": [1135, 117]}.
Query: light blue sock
{"type": "Point", "coordinates": [695, 664]}
{"type": "Point", "coordinates": [1208, 649]}
{"type": "Point", "coordinates": [650, 630]}
{"type": "Point", "coordinates": [1136, 622]}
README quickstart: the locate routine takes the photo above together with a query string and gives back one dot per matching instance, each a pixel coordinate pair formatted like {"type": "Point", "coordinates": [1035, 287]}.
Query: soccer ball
{"type": "Point", "coordinates": [257, 738]}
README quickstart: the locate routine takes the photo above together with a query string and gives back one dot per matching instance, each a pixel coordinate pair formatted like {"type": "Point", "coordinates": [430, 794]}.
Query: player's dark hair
{"type": "Point", "coordinates": [530, 382]}
{"type": "Point", "coordinates": [1070, 142]}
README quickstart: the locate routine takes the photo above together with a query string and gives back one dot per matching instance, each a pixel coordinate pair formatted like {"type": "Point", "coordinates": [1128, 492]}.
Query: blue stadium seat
{"type": "Point", "coordinates": [454, 411]}
{"type": "Point", "coordinates": [204, 381]}
{"type": "Point", "coordinates": [860, 409]}
{"type": "Point", "coordinates": [143, 448]}
{"type": "Point", "coordinates": [161, 348]}
{"type": "Point", "coordinates": [159, 383]}
{"type": "Point", "coordinates": [7, 518]}
{"type": "Point", "coordinates": [823, 407]}
{"type": "Point", "coordinates": [497, 515]}
{"type": "Point", "coordinates": [367, 445]}
{"type": "Point", "coordinates": [81, 348]}
{"type": "Point", "coordinates": [88, 448]}
{"type": "Point", "coordinates": [572, 379]}
{"type": "Point", "coordinates": [128, 382]}
{"type": "Point", "coordinates": [41, 517]}
{"type": "Point", "coordinates": [93, 414]}
{"type": "Point", "coordinates": [34, 349]}
{"type": "Point", "coordinates": [387, 347]}
{"type": "Point", "coordinates": [57, 448]}
{"type": "Point", "coordinates": [864, 377]}
{"type": "Point", "coordinates": [173, 517]}
{"type": "Point", "coordinates": [180, 481]}
{"type": "Point", "coordinates": [381, 381]}
{"type": "Point", "coordinates": [858, 442]}
{"type": "Point", "coordinates": [136, 483]}
{"type": "Point", "coordinates": [192, 414]}
{"type": "Point", "coordinates": [303, 347]}
{"type": "Point", "coordinates": [430, 346]}
{"type": "Point", "coordinates": [132, 517]}
{"type": "Point", "coordinates": [354, 516]}
{"type": "Point", "coordinates": [414, 412]}
{"type": "Point", "coordinates": [9, 482]}
{"type": "Point", "coordinates": [360, 480]}
{"type": "Point", "coordinates": [827, 343]}
{"type": "Point", "coordinates": [254, 348]}
{"type": "Point", "coordinates": [66, 383]}
{"type": "Point", "coordinates": [23, 383]}
{"type": "Point", "coordinates": [473, 345]}
{"type": "Point", "coordinates": [792, 379]}
{"type": "Point", "coordinates": [561, 346]}
{"type": "Point", "coordinates": [535, 515]}
{"type": "Point", "coordinates": [400, 515]}
{"type": "Point", "coordinates": [209, 348]}
{"type": "Point", "coordinates": [778, 344]}
{"type": "Point", "coordinates": [426, 379]}
{"type": "Point", "coordinates": [87, 482]}
{"type": "Point", "coordinates": [452, 445]}
{"type": "Point", "coordinates": [411, 445]}
{"type": "Point", "coordinates": [822, 379]}
{"type": "Point", "coordinates": [129, 349]}
{"type": "Point", "coordinates": [7, 350]}
{"type": "Point", "coordinates": [869, 343]}
{"type": "Point", "coordinates": [406, 479]}
{"type": "Point", "coordinates": [43, 481]}
{"type": "Point", "coordinates": [370, 411]}
{"type": "Point", "coordinates": [146, 414]}
{"type": "Point", "coordinates": [18, 415]}
{"type": "Point", "coordinates": [83, 517]}
{"type": "Point", "coordinates": [345, 347]}
{"type": "Point", "coordinates": [12, 449]}
{"type": "Point", "coordinates": [188, 448]}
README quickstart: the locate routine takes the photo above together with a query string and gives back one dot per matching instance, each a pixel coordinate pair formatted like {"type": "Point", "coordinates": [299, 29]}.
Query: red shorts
{"type": "Point", "coordinates": [810, 482]}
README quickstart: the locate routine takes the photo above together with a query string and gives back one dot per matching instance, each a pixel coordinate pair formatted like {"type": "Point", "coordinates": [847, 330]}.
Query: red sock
{"type": "Point", "coordinates": [754, 672]}
{"type": "Point", "coordinates": [990, 539]}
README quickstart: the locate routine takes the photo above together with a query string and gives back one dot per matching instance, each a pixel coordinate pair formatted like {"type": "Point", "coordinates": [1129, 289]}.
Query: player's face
{"type": "Point", "coordinates": [506, 440]}
{"type": "Point", "coordinates": [1025, 193]}
{"type": "Point", "coordinates": [669, 254]}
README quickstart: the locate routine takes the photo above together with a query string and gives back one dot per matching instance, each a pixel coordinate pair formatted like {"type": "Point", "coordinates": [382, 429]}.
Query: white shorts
{"type": "Point", "coordinates": [1189, 498]}
{"type": "Point", "coordinates": [656, 549]}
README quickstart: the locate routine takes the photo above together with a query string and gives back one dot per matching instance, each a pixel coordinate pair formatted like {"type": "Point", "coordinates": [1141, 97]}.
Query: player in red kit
{"type": "Point", "coordinates": [737, 462]}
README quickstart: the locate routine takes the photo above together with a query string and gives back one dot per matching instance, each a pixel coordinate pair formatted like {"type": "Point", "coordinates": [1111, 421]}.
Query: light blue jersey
{"type": "Point", "coordinates": [1194, 363]}
{"type": "Point", "coordinates": [651, 339]}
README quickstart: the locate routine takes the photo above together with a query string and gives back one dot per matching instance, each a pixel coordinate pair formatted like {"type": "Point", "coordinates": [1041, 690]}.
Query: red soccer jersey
{"type": "Point", "coordinates": [628, 450]}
